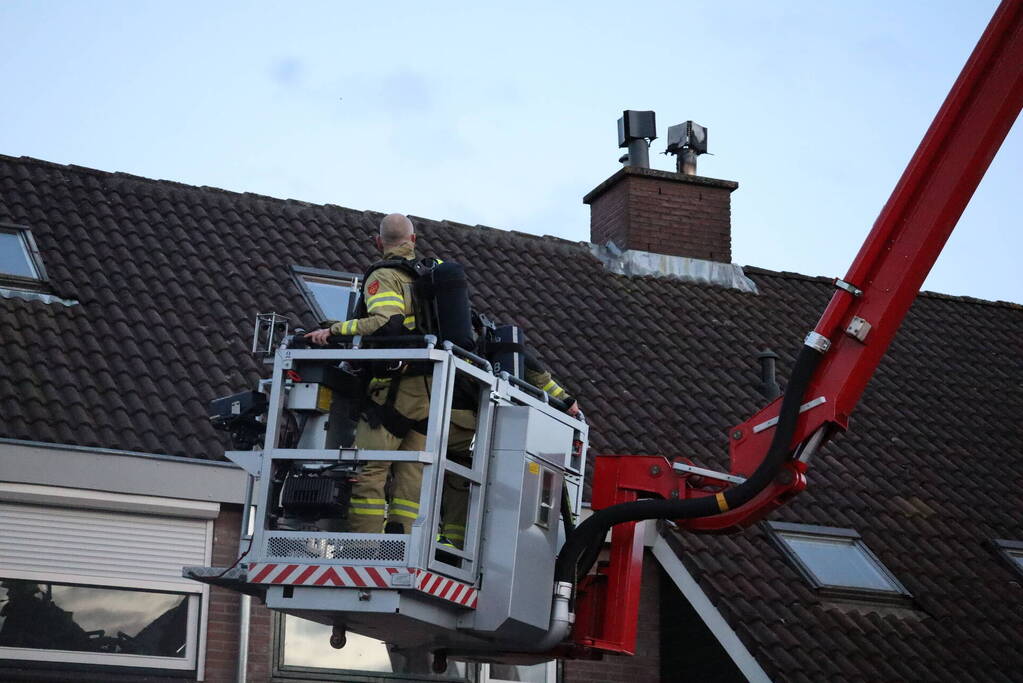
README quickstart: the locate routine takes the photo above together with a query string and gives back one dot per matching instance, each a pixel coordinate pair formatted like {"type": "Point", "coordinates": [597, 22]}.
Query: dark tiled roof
{"type": "Point", "coordinates": [169, 278]}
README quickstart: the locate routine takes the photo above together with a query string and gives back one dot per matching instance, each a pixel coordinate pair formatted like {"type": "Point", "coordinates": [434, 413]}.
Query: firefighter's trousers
{"type": "Point", "coordinates": [455, 497]}
{"type": "Point", "coordinates": [370, 508]}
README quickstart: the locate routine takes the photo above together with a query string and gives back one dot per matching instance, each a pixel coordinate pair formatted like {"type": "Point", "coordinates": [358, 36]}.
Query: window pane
{"type": "Point", "coordinates": [332, 297]}
{"type": "Point", "coordinates": [14, 258]}
{"type": "Point", "coordinates": [307, 643]}
{"type": "Point", "coordinates": [839, 562]}
{"type": "Point", "coordinates": [536, 673]}
{"type": "Point", "coordinates": [54, 616]}
{"type": "Point", "coordinates": [1017, 557]}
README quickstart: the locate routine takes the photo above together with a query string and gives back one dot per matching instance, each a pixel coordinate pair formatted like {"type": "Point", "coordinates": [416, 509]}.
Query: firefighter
{"type": "Point", "coordinates": [455, 506]}
{"type": "Point", "coordinates": [396, 408]}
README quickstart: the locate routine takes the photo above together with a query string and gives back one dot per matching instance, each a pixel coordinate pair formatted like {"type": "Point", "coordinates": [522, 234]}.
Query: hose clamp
{"type": "Point", "coordinates": [849, 287]}
{"type": "Point", "coordinates": [817, 342]}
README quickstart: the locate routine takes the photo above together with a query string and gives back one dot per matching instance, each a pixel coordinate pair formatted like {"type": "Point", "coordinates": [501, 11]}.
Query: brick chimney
{"type": "Point", "coordinates": [664, 213]}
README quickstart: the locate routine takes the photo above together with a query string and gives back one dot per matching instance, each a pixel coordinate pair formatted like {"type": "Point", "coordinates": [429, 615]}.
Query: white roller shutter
{"type": "Point", "coordinates": [116, 548]}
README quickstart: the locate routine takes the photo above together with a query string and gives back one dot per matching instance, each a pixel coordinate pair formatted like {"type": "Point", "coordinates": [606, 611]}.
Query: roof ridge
{"type": "Point", "coordinates": [786, 274]}
{"type": "Point", "coordinates": [1000, 303]}
{"type": "Point", "coordinates": [757, 270]}
{"type": "Point", "coordinates": [156, 181]}
{"type": "Point", "coordinates": [447, 222]}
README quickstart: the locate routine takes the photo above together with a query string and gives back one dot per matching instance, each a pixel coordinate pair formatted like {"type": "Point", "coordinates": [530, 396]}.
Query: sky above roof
{"type": "Point", "coordinates": [506, 116]}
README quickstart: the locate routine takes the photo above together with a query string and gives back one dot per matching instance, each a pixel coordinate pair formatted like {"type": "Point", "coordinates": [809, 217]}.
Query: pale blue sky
{"type": "Point", "coordinates": [505, 114]}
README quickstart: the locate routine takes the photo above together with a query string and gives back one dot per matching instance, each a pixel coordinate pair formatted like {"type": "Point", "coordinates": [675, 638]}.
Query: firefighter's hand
{"type": "Point", "coordinates": [573, 409]}
{"type": "Point", "coordinates": [319, 337]}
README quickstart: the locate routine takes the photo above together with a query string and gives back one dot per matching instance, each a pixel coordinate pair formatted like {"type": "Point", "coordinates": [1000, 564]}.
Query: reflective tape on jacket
{"type": "Point", "coordinates": [553, 389]}
{"type": "Point", "coordinates": [383, 299]}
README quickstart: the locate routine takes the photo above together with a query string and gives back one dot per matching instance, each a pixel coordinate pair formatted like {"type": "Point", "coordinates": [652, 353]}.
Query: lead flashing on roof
{"type": "Point", "coordinates": [635, 263]}
{"type": "Point", "coordinates": [30, 295]}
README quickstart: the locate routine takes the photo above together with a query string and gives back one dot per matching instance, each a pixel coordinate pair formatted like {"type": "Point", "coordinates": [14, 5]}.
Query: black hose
{"type": "Point", "coordinates": [589, 536]}
{"type": "Point", "coordinates": [567, 519]}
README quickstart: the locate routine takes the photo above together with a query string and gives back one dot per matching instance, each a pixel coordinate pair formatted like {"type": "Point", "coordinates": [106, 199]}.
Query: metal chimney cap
{"type": "Point", "coordinates": [687, 135]}
{"type": "Point", "coordinates": [636, 125]}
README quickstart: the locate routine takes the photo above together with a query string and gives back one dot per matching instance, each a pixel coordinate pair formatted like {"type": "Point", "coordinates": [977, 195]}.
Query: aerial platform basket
{"type": "Point", "coordinates": [414, 590]}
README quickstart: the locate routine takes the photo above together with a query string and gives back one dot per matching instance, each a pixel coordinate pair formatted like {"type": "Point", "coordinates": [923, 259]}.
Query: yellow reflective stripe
{"type": "Point", "coordinates": [387, 304]}
{"type": "Point", "coordinates": [375, 501]}
{"type": "Point", "coordinates": [377, 508]}
{"type": "Point", "coordinates": [385, 293]}
{"type": "Point", "coordinates": [385, 296]}
{"type": "Point", "coordinates": [407, 503]}
{"type": "Point", "coordinates": [553, 389]}
{"type": "Point", "coordinates": [349, 327]}
{"type": "Point", "coordinates": [410, 322]}
{"type": "Point", "coordinates": [403, 513]}
{"type": "Point", "coordinates": [359, 511]}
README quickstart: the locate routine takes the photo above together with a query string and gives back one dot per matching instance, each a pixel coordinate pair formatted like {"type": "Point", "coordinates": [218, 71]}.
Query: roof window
{"type": "Point", "coordinates": [20, 263]}
{"type": "Point", "coordinates": [330, 294]}
{"type": "Point", "coordinates": [1012, 551]}
{"type": "Point", "coordinates": [837, 561]}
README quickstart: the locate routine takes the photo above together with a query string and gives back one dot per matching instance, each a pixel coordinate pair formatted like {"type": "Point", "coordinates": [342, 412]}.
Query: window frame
{"type": "Point", "coordinates": [299, 273]}
{"type": "Point", "coordinates": [553, 673]}
{"type": "Point", "coordinates": [35, 259]}
{"type": "Point", "coordinates": [899, 596]}
{"type": "Point", "coordinates": [292, 672]}
{"type": "Point", "coordinates": [105, 502]}
{"type": "Point", "coordinates": [127, 662]}
{"type": "Point", "coordinates": [1011, 552]}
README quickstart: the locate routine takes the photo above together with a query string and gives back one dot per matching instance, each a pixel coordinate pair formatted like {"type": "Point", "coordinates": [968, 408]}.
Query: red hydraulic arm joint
{"type": "Point", "coordinates": [853, 334]}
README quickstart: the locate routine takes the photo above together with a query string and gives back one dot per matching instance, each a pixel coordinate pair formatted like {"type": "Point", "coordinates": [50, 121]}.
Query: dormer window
{"type": "Point", "coordinates": [330, 294]}
{"type": "Point", "coordinates": [20, 263]}
{"type": "Point", "coordinates": [837, 562]}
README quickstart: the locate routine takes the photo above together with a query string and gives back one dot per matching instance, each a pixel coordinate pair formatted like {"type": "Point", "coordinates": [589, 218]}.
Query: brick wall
{"type": "Point", "coordinates": [645, 666]}
{"type": "Point", "coordinates": [225, 608]}
{"type": "Point", "coordinates": [663, 213]}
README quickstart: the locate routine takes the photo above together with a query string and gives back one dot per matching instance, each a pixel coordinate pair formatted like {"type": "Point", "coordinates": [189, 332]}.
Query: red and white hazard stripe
{"type": "Point", "coordinates": [363, 577]}
{"type": "Point", "coordinates": [323, 575]}
{"type": "Point", "coordinates": [447, 589]}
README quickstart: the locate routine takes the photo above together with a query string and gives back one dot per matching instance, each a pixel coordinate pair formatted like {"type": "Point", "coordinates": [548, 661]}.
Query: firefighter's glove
{"type": "Point", "coordinates": [573, 409]}
{"type": "Point", "coordinates": [319, 337]}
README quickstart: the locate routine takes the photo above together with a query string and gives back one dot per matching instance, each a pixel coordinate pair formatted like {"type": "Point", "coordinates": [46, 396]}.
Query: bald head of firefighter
{"type": "Point", "coordinates": [395, 230]}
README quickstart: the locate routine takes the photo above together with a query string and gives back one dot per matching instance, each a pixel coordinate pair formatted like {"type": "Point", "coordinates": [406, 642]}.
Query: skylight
{"type": "Point", "coordinates": [836, 560]}
{"type": "Point", "coordinates": [18, 256]}
{"type": "Point", "coordinates": [1013, 552]}
{"type": "Point", "coordinates": [330, 294]}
